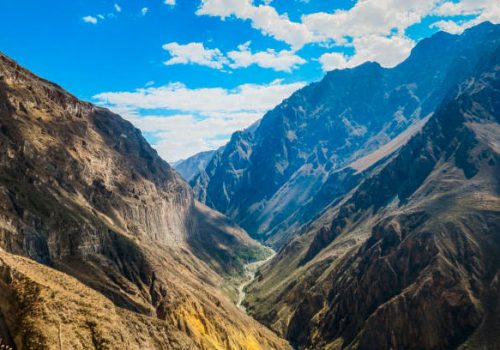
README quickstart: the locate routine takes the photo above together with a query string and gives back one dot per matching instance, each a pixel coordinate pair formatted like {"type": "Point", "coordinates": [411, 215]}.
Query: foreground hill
{"type": "Point", "coordinates": [409, 259]}
{"type": "Point", "coordinates": [101, 242]}
{"type": "Point", "coordinates": [274, 178]}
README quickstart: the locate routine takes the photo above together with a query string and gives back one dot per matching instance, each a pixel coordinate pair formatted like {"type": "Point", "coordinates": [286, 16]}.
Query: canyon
{"type": "Point", "coordinates": [378, 189]}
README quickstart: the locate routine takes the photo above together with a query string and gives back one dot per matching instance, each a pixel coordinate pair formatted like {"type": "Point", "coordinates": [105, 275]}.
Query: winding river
{"type": "Point", "coordinates": [250, 272]}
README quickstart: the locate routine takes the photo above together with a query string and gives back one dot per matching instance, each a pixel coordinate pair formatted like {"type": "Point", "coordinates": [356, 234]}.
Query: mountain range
{"type": "Point", "coordinates": [312, 148]}
{"type": "Point", "coordinates": [378, 187]}
{"type": "Point", "coordinates": [408, 259]}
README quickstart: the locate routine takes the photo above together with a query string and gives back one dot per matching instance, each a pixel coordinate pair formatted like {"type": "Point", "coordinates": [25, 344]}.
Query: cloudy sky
{"type": "Point", "coordinates": [190, 72]}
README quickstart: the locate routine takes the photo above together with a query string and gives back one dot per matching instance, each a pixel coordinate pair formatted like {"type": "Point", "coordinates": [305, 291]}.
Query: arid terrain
{"type": "Point", "coordinates": [378, 188]}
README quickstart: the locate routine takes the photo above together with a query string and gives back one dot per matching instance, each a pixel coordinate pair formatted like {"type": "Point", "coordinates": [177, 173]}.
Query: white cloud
{"type": "Point", "coordinates": [262, 17]}
{"type": "Point", "coordinates": [197, 53]}
{"type": "Point", "coordinates": [374, 28]}
{"type": "Point", "coordinates": [144, 11]}
{"type": "Point", "coordinates": [448, 26]}
{"type": "Point", "coordinates": [388, 51]}
{"type": "Point", "coordinates": [333, 60]}
{"type": "Point", "coordinates": [180, 136]}
{"type": "Point", "coordinates": [101, 17]}
{"type": "Point", "coordinates": [366, 17]}
{"type": "Point", "coordinates": [484, 10]}
{"type": "Point", "coordinates": [90, 19]}
{"type": "Point", "coordinates": [170, 2]}
{"type": "Point", "coordinates": [465, 7]}
{"type": "Point", "coordinates": [194, 53]}
{"type": "Point", "coordinates": [176, 96]}
{"type": "Point", "coordinates": [205, 116]}
{"type": "Point", "coordinates": [278, 60]}
{"type": "Point", "coordinates": [383, 21]}
{"type": "Point", "coordinates": [369, 17]}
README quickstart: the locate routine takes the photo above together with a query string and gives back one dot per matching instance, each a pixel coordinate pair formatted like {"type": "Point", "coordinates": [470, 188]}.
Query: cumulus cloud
{"type": "Point", "coordinates": [449, 26]}
{"type": "Point", "coordinates": [383, 21]}
{"type": "Point", "coordinates": [488, 8]}
{"type": "Point", "coordinates": [90, 19]}
{"type": "Point", "coordinates": [333, 60]}
{"type": "Point", "coordinates": [366, 17]}
{"type": "Point", "coordinates": [117, 8]}
{"type": "Point", "coordinates": [262, 17]}
{"type": "Point", "coordinates": [194, 53]}
{"type": "Point", "coordinates": [369, 17]}
{"type": "Point", "coordinates": [177, 96]}
{"type": "Point", "coordinates": [180, 136]}
{"type": "Point", "coordinates": [388, 51]}
{"type": "Point", "coordinates": [144, 11]}
{"type": "Point", "coordinates": [283, 60]}
{"type": "Point", "coordinates": [481, 10]}
{"type": "Point", "coordinates": [204, 118]}
{"type": "Point", "coordinates": [197, 53]}
{"type": "Point", "coordinates": [170, 2]}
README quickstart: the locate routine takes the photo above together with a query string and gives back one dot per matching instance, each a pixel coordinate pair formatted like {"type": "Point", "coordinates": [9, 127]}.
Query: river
{"type": "Point", "coordinates": [250, 272]}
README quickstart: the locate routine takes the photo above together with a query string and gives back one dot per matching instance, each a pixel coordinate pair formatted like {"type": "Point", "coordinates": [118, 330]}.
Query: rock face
{"type": "Point", "coordinates": [194, 165]}
{"type": "Point", "coordinates": [409, 258]}
{"type": "Point", "coordinates": [273, 178]}
{"type": "Point", "coordinates": [82, 192]}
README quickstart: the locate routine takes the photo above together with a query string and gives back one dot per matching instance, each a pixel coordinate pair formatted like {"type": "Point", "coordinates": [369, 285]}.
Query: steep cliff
{"type": "Point", "coordinates": [82, 192]}
{"type": "Point", "coordinates": [408, 259]}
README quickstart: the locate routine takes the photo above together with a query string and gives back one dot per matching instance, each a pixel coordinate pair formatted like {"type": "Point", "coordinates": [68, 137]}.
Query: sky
{"type": "Point", "coordinates": [189, 73]}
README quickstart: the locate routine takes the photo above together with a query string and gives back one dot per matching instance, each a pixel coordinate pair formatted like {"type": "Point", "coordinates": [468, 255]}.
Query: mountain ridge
{"type": "Point", "coordinates": [82, 192]}
{"type": "Point", "coordinates": [408, 258]}
{"type": "Point", "coordinates": [266, 176]}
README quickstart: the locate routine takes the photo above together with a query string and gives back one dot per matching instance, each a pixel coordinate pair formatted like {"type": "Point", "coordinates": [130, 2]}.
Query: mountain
{"type": "Point", "coordinates": [276, 177]}
{"type": "Point", "coordinates": [102, 244]}
{"type": "Point", "coordinates": [194, 165]}
{"type": "Point", "coordinates": [409, 258]}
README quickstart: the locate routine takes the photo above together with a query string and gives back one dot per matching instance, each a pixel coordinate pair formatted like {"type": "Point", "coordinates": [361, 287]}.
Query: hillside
{"type": "Point", "coordinates": [408, 259]}
{"type": "Point", "coordinates": [120, 253]}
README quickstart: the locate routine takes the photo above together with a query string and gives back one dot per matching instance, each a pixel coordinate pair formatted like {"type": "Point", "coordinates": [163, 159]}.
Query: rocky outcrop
{"type": "Point", "coordinates": [267, 178]}
{"type": "Point", "coordinates": [409, 258]}
{"type": "Point", "coordinates": [82, 192]}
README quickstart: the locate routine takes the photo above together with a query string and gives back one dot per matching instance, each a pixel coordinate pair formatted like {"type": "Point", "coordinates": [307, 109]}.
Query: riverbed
{"type": "Point", "coordinates": [250, 272]}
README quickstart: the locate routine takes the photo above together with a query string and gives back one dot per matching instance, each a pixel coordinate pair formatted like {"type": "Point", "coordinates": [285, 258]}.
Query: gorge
{"type": "Point", "coordinates": [378, 189]}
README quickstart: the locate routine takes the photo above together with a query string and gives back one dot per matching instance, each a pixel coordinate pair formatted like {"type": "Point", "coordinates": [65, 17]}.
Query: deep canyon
{"type": "Point", "coordinates": [378, 189]}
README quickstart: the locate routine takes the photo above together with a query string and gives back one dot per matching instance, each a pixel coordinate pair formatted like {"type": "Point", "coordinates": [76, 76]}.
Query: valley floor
{"type": "Point", "coordinates": [250, 274]}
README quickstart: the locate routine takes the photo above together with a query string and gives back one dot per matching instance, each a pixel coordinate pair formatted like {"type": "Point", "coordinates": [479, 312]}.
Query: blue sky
{"type": "Point", "coordinates": [190, 72]}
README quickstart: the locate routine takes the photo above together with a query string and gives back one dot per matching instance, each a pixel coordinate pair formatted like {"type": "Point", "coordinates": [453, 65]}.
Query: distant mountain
{"type": "Point", "coordinates": [409, 257]}
{"type": "Point", "coordinates": [194, 165]}
{"type": "Point", "coordinates": [311, 149]}
{"type": "Point", "coordinates": [102, 244]}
